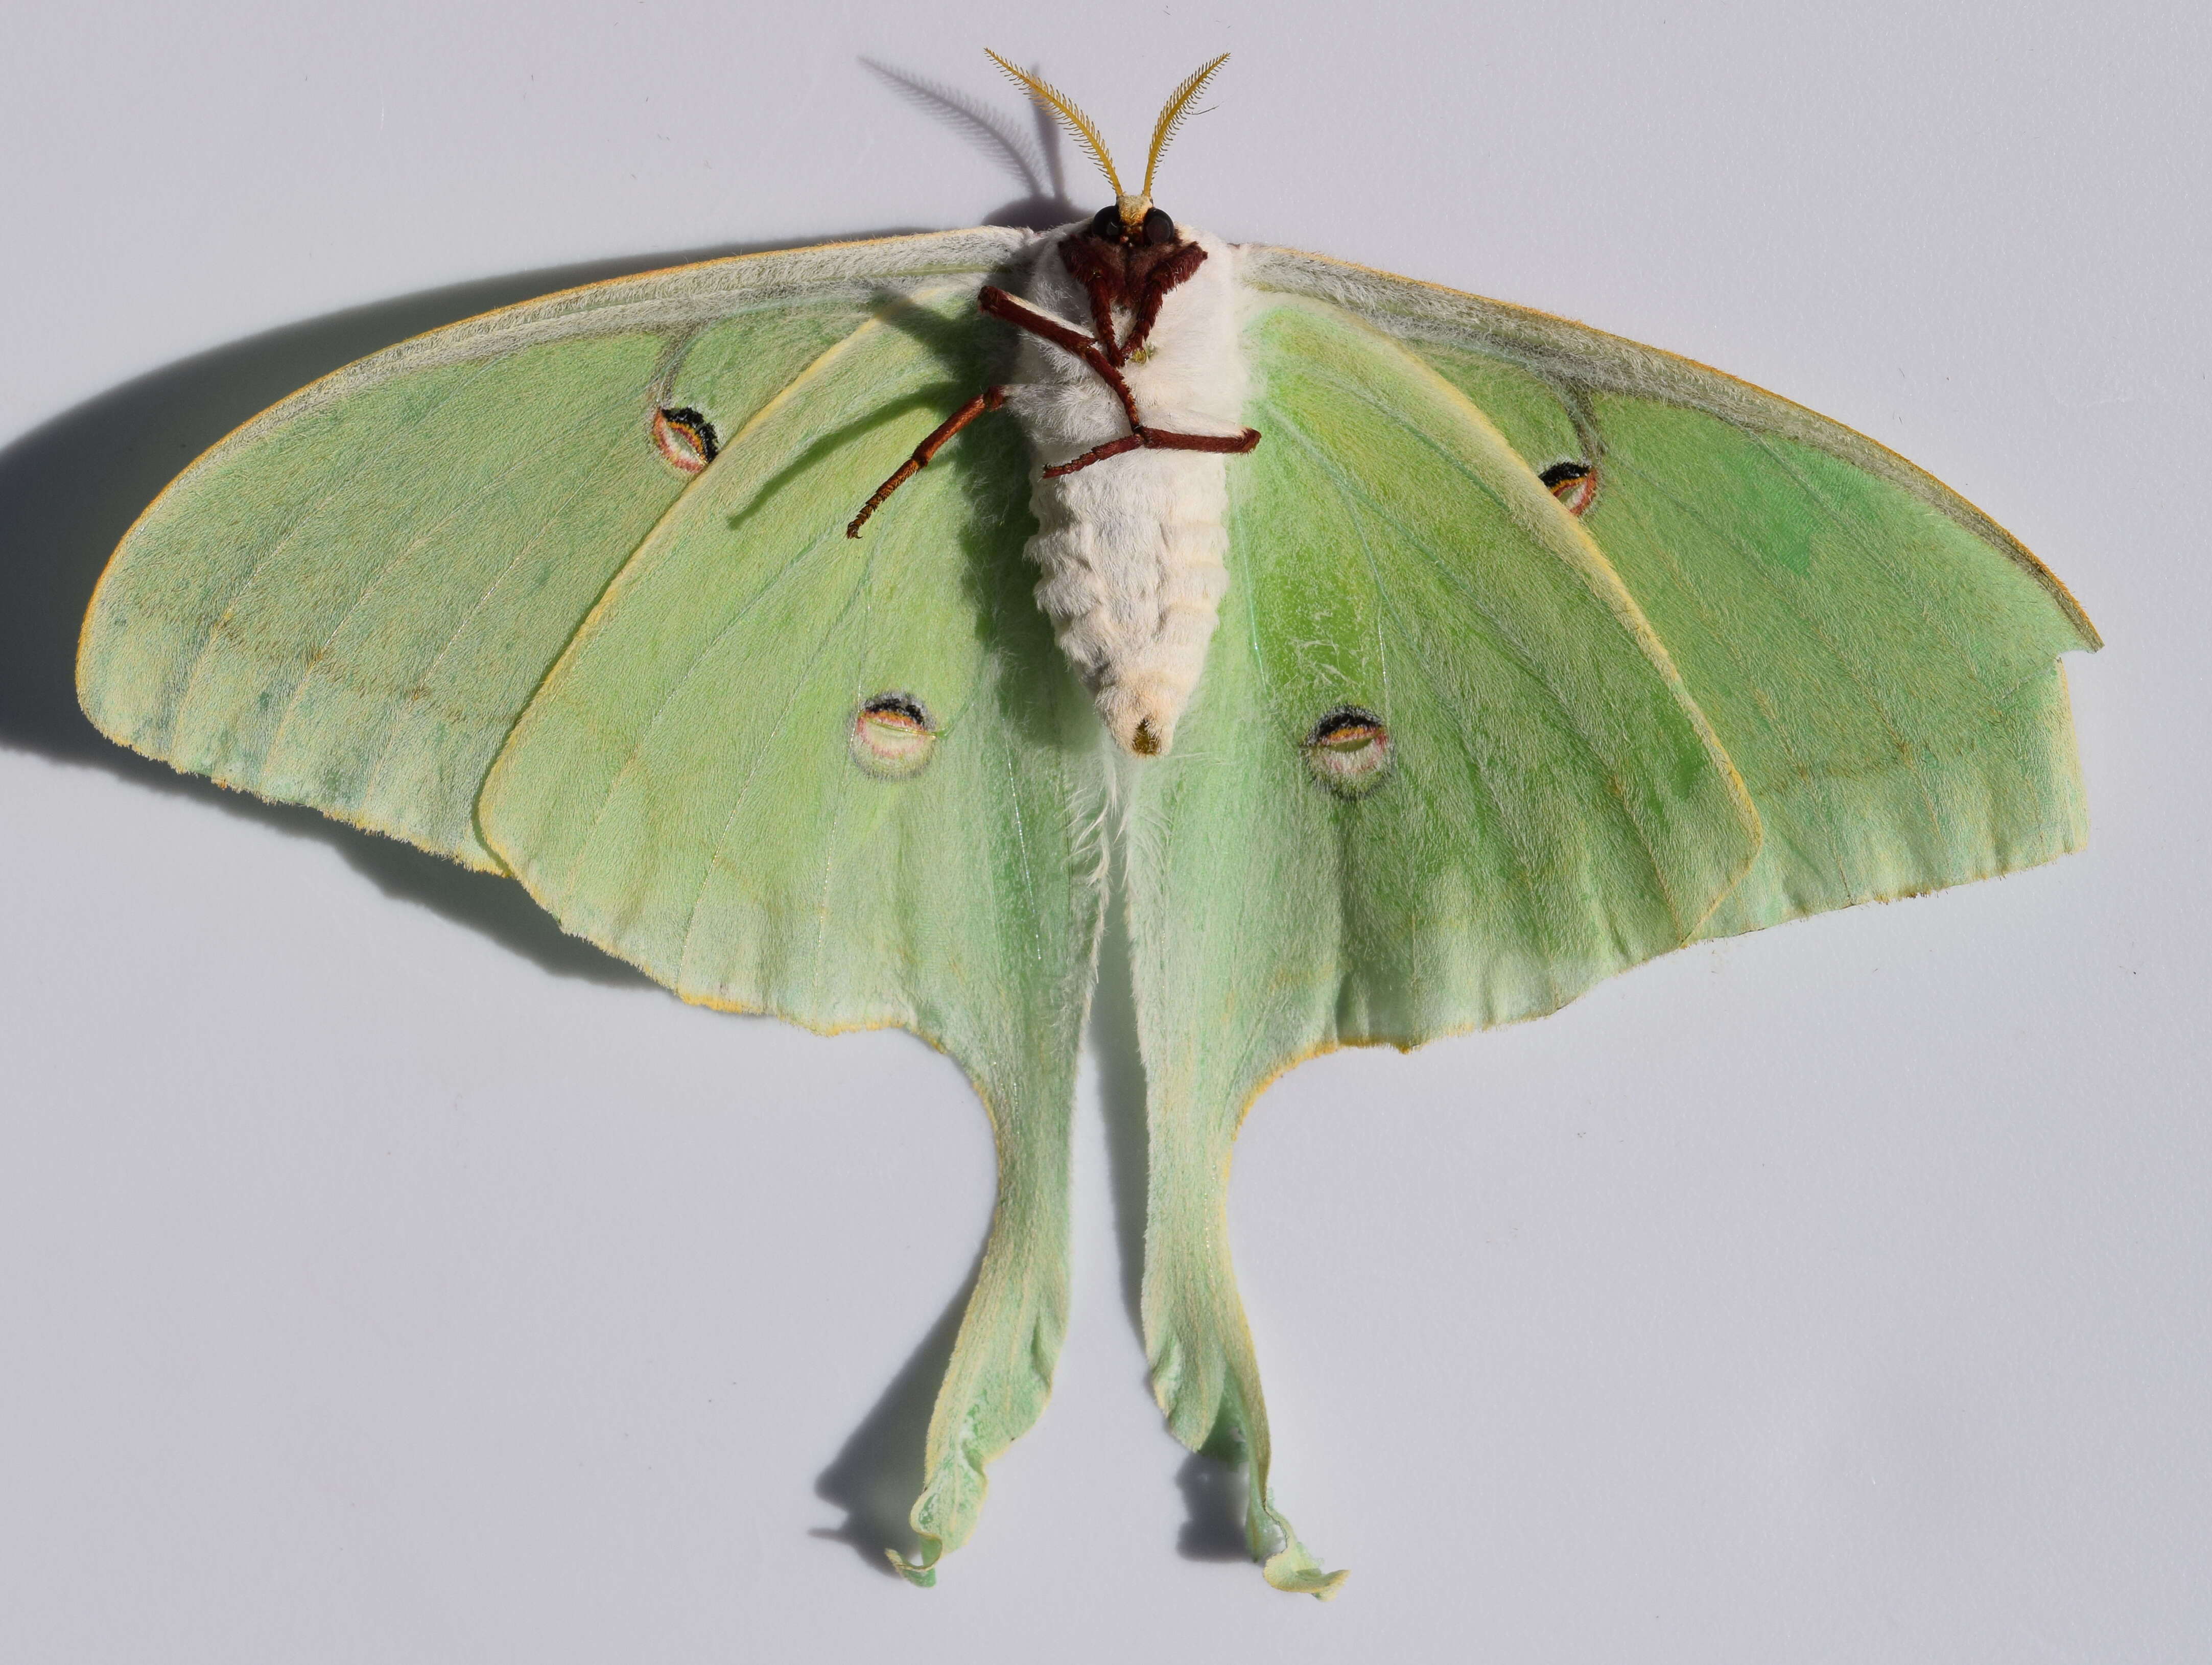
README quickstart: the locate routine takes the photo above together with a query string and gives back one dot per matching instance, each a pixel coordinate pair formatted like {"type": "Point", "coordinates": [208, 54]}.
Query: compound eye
{"type": "Point", "coordinates": [1159, 229]}
{"type": "Point", "coordinates": [1107, 225]}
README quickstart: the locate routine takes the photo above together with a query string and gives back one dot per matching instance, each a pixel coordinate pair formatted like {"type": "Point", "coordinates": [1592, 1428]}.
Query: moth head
{"type": "Point", "coordinates": [1131, 219]}
{"type": "Point", "coordinates": [1152, 227]}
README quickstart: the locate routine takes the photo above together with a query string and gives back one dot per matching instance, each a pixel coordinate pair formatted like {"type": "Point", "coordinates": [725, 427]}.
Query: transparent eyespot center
{"type": "Point", "coordinates": [685, 439]}
{"type": "Point", "coordinates": [1349, 752]}
{"type": "Point", "coordinates": [891, 736]}
{"type": "Point", "coordinates": [1575, 485]}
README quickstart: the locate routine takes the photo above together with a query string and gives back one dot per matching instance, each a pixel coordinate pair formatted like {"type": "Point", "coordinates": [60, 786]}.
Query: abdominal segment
{"type": "Point", "coordinates": [1133, 554]}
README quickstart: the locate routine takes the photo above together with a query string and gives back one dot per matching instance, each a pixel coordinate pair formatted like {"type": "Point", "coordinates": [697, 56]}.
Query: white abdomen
{"type": "Point", "coordinates": [1131, 547]}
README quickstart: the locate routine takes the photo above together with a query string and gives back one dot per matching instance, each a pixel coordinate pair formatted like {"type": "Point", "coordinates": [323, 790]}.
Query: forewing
{"type": "Point", "coordinates": [347, 602]}
{"type": "Point", "coordinates": [1877, 656]}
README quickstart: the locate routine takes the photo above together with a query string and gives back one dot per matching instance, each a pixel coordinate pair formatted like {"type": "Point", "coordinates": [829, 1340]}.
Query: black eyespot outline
{"type": "Point", "coordinates": [905, 705]}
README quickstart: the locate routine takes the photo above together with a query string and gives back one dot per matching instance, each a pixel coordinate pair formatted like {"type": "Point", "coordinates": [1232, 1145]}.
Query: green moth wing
{"type": "Point", "coordinates": [1878, 657]}
{"type": "Point", "coordinates": [347, 602]}
{"type": "Point", "coordinates": [1439, 774]}
{"type": "Point", "coordinates": [563, 591]}
{"type": "Point", "coordinates": [1869, 665]}
{"type": "Point", "coordinates": [350, 601]}
{"type": "Point", "coordinates": [842, 780]}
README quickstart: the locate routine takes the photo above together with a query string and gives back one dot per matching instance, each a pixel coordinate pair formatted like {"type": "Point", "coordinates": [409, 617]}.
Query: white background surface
{"type": "Point", "coordinates": [385, 1277]}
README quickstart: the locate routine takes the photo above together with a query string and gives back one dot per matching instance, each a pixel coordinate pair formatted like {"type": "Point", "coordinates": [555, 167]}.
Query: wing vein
{"type": "Point", "coordinates": [421, 538]}
{"type": "Point", "coordinates": [307, 514]}
{"type": "Point", "coordinates": [1754, 563]}
{"type": "Point", "coordinates": [1515, 653]}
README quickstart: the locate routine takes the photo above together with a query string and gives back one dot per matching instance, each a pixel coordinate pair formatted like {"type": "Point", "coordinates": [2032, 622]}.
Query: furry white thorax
{"type": "Point", "coordinates": [1131, 547]}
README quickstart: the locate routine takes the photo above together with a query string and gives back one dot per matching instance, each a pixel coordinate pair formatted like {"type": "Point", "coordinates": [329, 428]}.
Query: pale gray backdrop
{"type": "Point", "coordinates": [385, 1277]}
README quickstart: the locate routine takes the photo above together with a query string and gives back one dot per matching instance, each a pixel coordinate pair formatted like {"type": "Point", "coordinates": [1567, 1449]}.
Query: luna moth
{"type": "Point", "coordinates": [814, 630]}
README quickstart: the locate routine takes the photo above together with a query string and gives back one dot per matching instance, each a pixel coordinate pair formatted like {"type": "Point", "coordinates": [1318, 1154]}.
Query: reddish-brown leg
{"type": "Point", "coordinates": [1023, 316]}
{"type": "Point", "coordinates": [989, 399]}
{"type": "Point", "coordinates": [1098, 453]}
{"type": "Point", "coordinates": [1234, 445]}
{"type": "Point", "coordinates": [1096, 286]}
{"type": "Point", "coordinates": [1158, 439]}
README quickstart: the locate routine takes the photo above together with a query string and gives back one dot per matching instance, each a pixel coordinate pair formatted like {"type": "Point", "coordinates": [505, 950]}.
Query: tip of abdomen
{"type": "Point", "coordinates": [1133, 602]}
{"type": "Point", "coordinates": [1141, 718]}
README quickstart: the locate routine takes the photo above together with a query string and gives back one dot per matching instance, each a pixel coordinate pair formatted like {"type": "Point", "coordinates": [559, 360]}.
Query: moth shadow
{"type": "Point", "coordinates": [1114, 1045]}
{"type": "Point", "coordinates": [70, 489]}
{"type": "Point", "coordinates": [879, 1471]}
{"type": "Point", "coordinates": [1215, 1495]}
{"type": "Point", "coordinates": [970, 357]}
{"type": "Point", "coordinates": [1027, 147]}
{"type": "Point", "coordinates": [828, 445]}
{"type": "Point", "coordinates": [991, 467]}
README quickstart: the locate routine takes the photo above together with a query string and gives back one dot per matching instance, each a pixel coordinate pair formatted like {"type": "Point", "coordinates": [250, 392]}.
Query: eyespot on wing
{"type": "Point", "coordinates": [891, 736]}
{"type": "Point", "coordinates": [685, 437]}
{"type": "Point", "coordinates": [1574, 483]}
{"type": "Point", "coordinates": [1348, 751]}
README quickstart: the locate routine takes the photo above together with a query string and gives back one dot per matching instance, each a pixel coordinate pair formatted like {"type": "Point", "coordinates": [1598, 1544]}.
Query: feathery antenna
{"type": "Point", "coordinates": [1086, 133]}
{"type": "Point", "coordinates": [1173, 115]}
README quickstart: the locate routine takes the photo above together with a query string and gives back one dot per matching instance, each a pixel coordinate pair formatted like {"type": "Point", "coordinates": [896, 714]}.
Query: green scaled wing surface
{"type": "Point", "coordinates": [1878, 657]}
{"type": "Point", "coordinates": [1438, 774]}
{"type": "Point", "coordinates": [1412, 792]}
{"type": "Point", "coordinates": [347, 603]}
{"type": "Point", "coordinates": [843, 782]}
{"type": "Point", "coordinates": [352, 601]}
